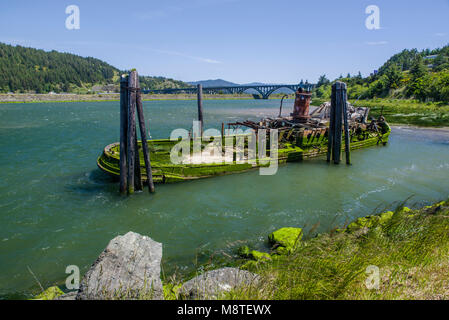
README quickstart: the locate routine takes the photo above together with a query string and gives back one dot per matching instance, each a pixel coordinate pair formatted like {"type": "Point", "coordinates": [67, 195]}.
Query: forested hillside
{"type": "Point", "coordinates": [161, 83]}
{"type": "Point", "coordinates": [32, 70]}
{"type": "Point", "coordinates": [420, 75]}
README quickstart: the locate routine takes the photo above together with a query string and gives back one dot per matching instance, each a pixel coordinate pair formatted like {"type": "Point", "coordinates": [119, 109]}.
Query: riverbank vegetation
{"type": "Point", "coordinates": [412, 87]}
{"type": "Point", "coordinates": [410, 74]}
{"type": "Point", "coordinates": [400, 254]}
{"type": "Point", "coordinates": [28, 70]}
{"type": "Point", "coordinates": [64, 97]}
{"type": "Point", "coordinates": [407, 249]}
{"type": "Point", "coordinates": [401, 111]}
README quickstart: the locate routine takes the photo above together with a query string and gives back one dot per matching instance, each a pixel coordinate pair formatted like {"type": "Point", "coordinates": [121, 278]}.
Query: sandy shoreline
{"type": "Point", "coordinates": [406, 126]}
{"type": "Point", "coordinates": [64, 97]}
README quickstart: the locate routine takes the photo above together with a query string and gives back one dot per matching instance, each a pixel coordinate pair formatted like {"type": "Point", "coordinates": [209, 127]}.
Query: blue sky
{"type": "Point", "coordinates": [243, 41]}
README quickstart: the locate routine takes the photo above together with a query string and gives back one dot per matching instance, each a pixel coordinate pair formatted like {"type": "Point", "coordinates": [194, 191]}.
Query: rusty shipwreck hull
{"type": "Point", "coordinates": [295, 144]}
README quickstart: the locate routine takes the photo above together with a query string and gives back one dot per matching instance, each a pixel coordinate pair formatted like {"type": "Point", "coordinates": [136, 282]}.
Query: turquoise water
{"type": "Point", "coordinates": [58, 209]}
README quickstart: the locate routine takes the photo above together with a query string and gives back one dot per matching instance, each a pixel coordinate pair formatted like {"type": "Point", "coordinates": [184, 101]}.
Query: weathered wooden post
{"type": "Point", "coordinates": [143, 136]}
{"type": "Point", "coordinates": [338, 110]}
{"type": "Point", "coordinates": [123, 132]}
{"type": "Point", "coordinates": [222, 138]}
{"type": "Point", "coordinates": [130, 170]}
{"type": "Point", "coordinates": [346, 124]}
{"type": "Point", "coordinates": [200, 107]}
{"type": "Point", "coordinates": [338, 114]}
{"type": "Point", "coordinates": [131, 129]}
{"type": "Point", "coordinates": [137, 172]}
{"type": "Point", "coordinates": [331, 135]}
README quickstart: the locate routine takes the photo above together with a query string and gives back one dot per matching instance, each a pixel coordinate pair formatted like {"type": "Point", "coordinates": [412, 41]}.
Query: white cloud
{"type": "Point", "coordinates": [175, 53]}
{"type": "Point", "coordinates": [151, 15]}
{"type": "Point", "coordinates": [158, 13]}
{"type": "Point", "coordinates": [439, 34]}
{"type": "Point", "coordinates": [376, 43]}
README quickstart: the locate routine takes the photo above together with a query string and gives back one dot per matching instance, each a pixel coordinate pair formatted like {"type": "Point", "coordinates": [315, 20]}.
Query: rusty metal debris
{"type": "Point", "coordinates": [302, 123]}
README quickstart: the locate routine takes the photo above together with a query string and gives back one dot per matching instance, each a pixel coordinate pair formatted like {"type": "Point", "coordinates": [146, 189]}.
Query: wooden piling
{"type": "Point", "coordinates": [123, 132]}
{"type": "Point", "coordinates": [346, 125]}
{"type": "Point", "coordinates": [222, 138]}
{"type": "Point", "coordinates": [338, 114]}
{"type": "Point", "coordinates": [131, 129]}
{"type": "Point", "coordinates": [137, 171]}
{"type": "Point", "coordinates": [331, 137]}
{"type": "Point", "coordinates": [143, 136]}
{"type": "Point", "coordinates": [338, 110]}
{"type": "Point", "coordinates": [200, 106]}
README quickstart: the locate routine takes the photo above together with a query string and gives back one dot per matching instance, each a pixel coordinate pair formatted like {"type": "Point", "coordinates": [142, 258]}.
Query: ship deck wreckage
{"type": "Point", "coordinates": [304, 126]}
{"type": "Point", "coordinates": [331, 128]}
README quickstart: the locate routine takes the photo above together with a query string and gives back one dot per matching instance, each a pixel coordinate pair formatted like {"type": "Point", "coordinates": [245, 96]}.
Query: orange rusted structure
{"type": "Point", "coordinates": [301, 106]}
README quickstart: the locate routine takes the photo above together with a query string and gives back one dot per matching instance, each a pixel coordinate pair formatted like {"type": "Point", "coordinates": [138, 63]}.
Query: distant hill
{"type": "Point", "coordinates": [161, 83]}
{"type": "Point", "coordinates": [33, 70]}
{"type": "Point", "coordinates": [252, 91]}
{"type": "Point", "coordinates": [224, 83]}
{"type": "Point", "coordinates": [214, 83]}
{"type": "Point", "coordinates": [254, 84]}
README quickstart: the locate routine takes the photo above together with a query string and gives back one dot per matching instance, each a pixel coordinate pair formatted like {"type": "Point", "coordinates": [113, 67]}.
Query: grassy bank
{"type": "Point", "coordinates": [410, 248]}
{"type": "Point", "coordinates": [411, 112]}
{"type": "Point", "coordinates": [396, 111]}
{"type": "Point", "coordinates": [401, 254]}
{"type": "Point", "coordinates": [36, 98]}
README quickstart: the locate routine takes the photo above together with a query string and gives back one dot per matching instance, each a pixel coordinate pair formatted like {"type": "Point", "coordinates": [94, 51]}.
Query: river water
{"type": "Point", "coordinates": [57, 209]}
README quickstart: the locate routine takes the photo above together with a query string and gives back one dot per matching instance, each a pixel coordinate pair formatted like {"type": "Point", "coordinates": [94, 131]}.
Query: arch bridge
{"type": "Point", "coordinates": [264, 90]}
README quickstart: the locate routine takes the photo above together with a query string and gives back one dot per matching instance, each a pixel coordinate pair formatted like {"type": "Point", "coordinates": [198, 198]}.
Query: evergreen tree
{"type": "Point", "coordinates": [323, 81]}
{"type": "Point", "coordinates": [32, 70]}
{"type": "Point", "coordinates": [393, 77]}
{"type": "Point", "coordinates": [418, 68]}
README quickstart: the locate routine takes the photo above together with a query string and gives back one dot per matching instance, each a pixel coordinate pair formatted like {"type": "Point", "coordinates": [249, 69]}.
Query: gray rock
{"type": "Point", "coordinates": [211, 284]}
{"type": "Point", "coordinates": [68, 296]}
{"type": "Point", "coordinates": [129, 268]}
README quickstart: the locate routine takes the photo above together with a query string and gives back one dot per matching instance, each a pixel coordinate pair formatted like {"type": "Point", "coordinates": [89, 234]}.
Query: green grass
{"type": "Point", "coordinates": [410, 248]}
{"type": "Point", "coordinates": [46, 98]}
{"type": "Point", "coordinates": [410, 112]}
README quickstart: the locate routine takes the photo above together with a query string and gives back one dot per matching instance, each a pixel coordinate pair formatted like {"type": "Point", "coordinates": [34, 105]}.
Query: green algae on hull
{"type": "Point", "coordinates": [297, 148]}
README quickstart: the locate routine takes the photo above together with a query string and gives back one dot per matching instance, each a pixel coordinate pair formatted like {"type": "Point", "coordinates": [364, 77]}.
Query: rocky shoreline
{"type": "Point", "coordinates": [130, 266]}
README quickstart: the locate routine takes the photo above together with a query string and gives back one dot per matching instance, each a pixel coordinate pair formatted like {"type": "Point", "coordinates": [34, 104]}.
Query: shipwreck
{"type": "Point", "coordinates": [302, 135]}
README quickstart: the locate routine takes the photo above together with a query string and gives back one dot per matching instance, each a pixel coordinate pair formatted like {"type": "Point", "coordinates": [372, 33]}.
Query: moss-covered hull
{"type": "Point", "coordinates": [300, 148]}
